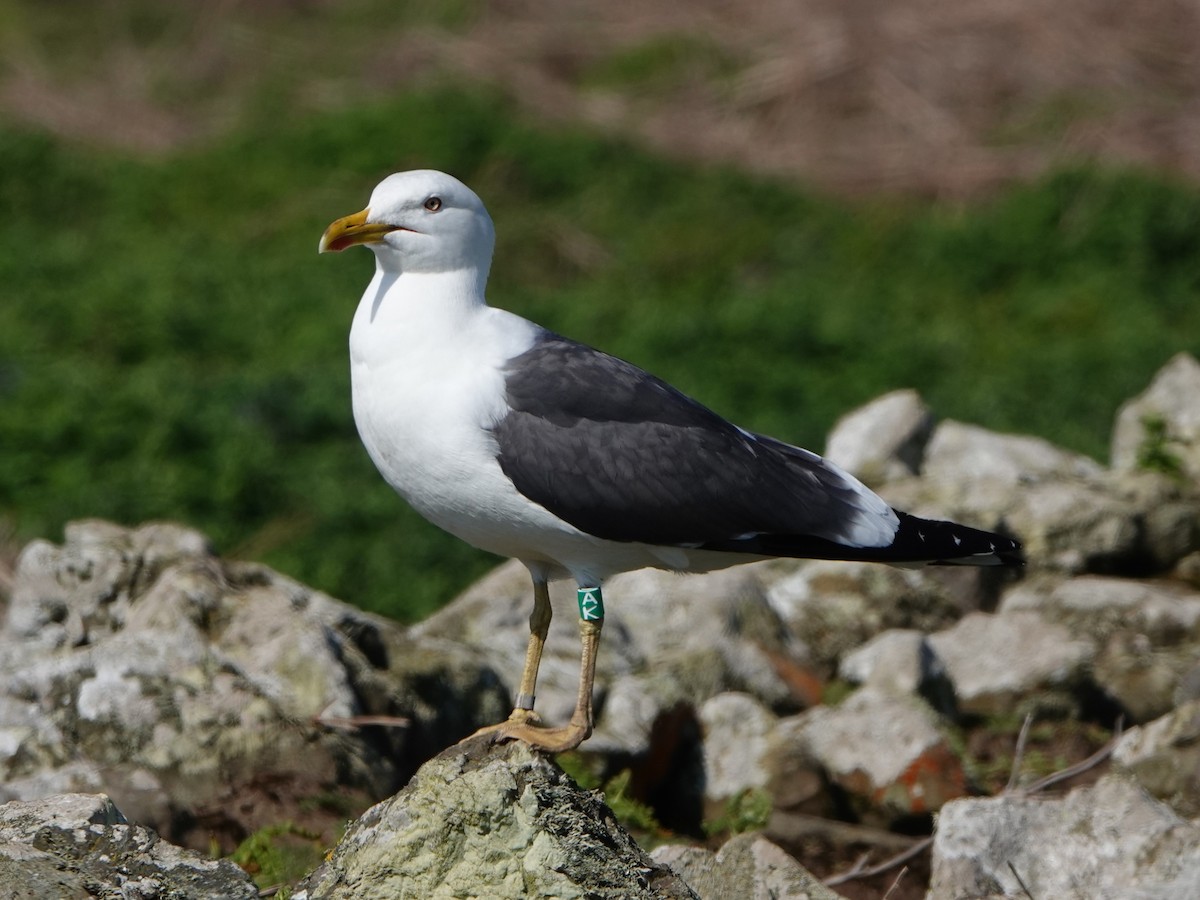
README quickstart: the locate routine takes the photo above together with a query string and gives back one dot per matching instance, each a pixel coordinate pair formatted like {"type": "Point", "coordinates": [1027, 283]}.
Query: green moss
{"type": "Point", "coordinates": [748, 810]}
{"type": "Point", "coordinates": [630, 812]}
{"type": "Point", "coordinates": [1154, 453]}
{"type": "Point", "coordinates": [279, 854]}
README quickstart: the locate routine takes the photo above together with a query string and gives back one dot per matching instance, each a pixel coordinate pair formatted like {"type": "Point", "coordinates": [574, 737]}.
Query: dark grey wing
{"type": "Point", "coordinates": [622, 455]}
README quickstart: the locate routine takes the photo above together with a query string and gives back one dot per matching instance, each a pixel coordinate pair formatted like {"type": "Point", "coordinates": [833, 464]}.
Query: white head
{"type": "Point", "coordinates": [420, 221]}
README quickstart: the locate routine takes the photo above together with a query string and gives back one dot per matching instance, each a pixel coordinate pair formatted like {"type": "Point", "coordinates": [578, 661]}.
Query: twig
{"type": "Point", "coordinates": [1018, 755]}
{"type": "Point", "coordinates": [1080, 767]}
{"type": "Point", "coordinates": [900, 858]}
{"type": "Point", "coordinates": [1013, 869]}
{"type": "Point", "coordinates": [353, 723]}
{"type": "Point", "coordinates": [896, 883]}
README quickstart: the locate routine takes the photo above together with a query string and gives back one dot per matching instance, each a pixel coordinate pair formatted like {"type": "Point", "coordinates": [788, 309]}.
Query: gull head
{"type": "Point", "coordinates": [419, 221]}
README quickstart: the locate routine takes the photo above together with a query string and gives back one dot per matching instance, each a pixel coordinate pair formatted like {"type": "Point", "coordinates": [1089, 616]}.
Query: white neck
{"type": "Point", "coordinates": [398, 308]}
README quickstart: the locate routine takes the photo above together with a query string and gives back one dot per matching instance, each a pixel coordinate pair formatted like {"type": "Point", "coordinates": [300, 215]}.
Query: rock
{"type": "Point", "coordinates": [1116, 523]}
{"type": "Point", "coordinates": [1109, 839]}
{"type": "Point", "coordinates": [738, 731]}
{"type": "Point", "coordinates": [883, 440]}
{"type": "Point", "coordinates": [1147, 631]}
{"type": "Point", "coordinates": [833, 607]}
{"type": "Point", "coordinates": [136, 662]}
{"type": "Point", "coordinates": [961, 454]}
{"type": "Point", "coordinates": [81, 845]}
{"type": "Point", "coordinates": [1098, 607]}
{"type": "Point", "coordinates": [1161, 426]}
{"type": "Point", "coordinates": [481, 820]}
{"type": "Point", "coordinates": [1075, 526]}
{"type": "Point", "coordinates": [748, 867]}
{"type": "Point", "coordinates": [1164, 757]}
{"type": "Point", "coordinates": [996, 661]}
{"type": "Point", "coordinates": [900, 661]}
{"type": "Point", "coordinates": [669, 640]}
{"type": "Point", "coordinates": [1142, 678]}
{"type": "Point", "coordinates": [1189, 685]}
{"type": "Point", "coordinates": [1070, 513]}
{"type": "Point", "coordinates": [884, 749]}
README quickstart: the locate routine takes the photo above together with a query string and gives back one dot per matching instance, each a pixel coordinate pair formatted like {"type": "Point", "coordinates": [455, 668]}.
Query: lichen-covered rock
{"type": "Point", "coordinates": [996, 661]}
{"type": "Point", "coordinates": [501, 822]}
{"type": "Point", "coordinates": [1161, 426]}
{"type": "Point", "coordinates": [1109, 839]}
{"type": "Point", "coordinates": [81, 845]}
{"type": "Point", "coordinates": [1164, 757]}
{"type": "Point", "coordinates": [884, 439]}
{"type": "Point", "coordinates": [747, 867]}
{"type": "Point", "coordinates": [136, 662]}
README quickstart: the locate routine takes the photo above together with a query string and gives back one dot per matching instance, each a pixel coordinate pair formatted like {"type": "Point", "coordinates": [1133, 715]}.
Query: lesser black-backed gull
{"type": "Point", "coordinates": [579, 464]}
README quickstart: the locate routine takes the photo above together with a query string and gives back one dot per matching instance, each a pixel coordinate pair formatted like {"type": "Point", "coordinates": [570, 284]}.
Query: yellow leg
{"type": "Point", "coordinates": [539, 627]}
{"type": "Point", "coordinates": [567, 737]}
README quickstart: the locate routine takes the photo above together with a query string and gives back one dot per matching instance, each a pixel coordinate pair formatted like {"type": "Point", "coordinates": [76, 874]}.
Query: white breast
{"type": "Point", "coordinates": [427, 389]}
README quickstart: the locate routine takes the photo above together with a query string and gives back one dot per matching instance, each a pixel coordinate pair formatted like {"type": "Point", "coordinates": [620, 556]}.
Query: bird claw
{"type": "Point", "coordinates": [527, 730]}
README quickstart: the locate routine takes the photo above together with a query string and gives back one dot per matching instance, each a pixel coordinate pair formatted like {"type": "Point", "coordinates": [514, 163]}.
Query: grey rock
{"type": "Point", "coordinates": [1108, 841]}
{"type": "Point", "coordinates": [995, 661]}
{"type": "Point", "coordinates": [737, 732]}
{"type": "Point", "coordinates": [1143, 678]}
{"type": "Point", "coordinates": [883, 440]}
{"type": "Point", "coordinates": [834, 607]}
{"type": "Point", "coordinates": [481, 820]}
{"type": "Point", "coordinates": [748, 867]}
{"type": "Point", "coordinates": [1147, 633]}
{"type": "Point", "coordinates": [1098, 606]}
{"type": "Point", "coordinates": [1172, 399]}
{"type": "Point", "coordinates": [900, 661]}
{"type": "Point", "coordinates": [136, 662]}
{"type": "Point", "coordinates": [1164, 757]}
{"type": "Point", "coordinates": [1117, 522]}
{"type": "Point", "coordinates": [1075, 526]}
{"type": "Point", "coordinates": [1071, 514]}
{"type": "Point", "coordinates": [885, 749]}
{"type": "Point", "coordinates": [1188, 688]}
{"type": "Point", "coordinates": [961, 454]}
{"type": "Point", "coordinates": [81, 845]}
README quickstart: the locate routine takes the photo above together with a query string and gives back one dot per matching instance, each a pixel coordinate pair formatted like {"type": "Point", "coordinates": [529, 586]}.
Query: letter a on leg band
{"type": "Point", "coordinates": [591, 604]}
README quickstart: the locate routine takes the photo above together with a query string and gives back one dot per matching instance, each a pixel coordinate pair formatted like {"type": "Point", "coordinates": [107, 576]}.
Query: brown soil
{"type": "Point", "coordinates": [923, 97]}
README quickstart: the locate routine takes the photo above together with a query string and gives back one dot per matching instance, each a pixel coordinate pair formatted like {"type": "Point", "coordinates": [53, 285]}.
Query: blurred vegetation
{"type": "Point", "coordinates": [171, 346]}
{"type": "Point", "coordinates": [278, 856]}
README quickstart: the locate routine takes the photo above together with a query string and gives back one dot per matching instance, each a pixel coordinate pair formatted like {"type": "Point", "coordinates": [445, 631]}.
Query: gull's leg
{"type": "Point", "coordinates": [539, 627]}
{"type": "Point", "coordinates": [567, 737]}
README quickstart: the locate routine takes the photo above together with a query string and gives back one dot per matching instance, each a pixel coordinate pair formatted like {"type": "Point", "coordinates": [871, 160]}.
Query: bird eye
{"type": "Point", "coordinates": [433, 204]}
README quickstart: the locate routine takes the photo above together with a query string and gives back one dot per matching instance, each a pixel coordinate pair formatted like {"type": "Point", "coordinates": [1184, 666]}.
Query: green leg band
{"type": "Point", "coordinates": [591, 604]}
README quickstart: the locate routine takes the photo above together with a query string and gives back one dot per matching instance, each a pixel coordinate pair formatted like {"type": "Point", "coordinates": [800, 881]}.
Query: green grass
{"type": "Point", "coordinates": [171, 346]}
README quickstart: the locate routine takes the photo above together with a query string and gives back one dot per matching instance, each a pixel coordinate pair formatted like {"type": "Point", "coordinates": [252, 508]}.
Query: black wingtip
{"type": "Point", "coordinates": [917, 542]}
{"type": "Point", "coordinates": [949, 543]}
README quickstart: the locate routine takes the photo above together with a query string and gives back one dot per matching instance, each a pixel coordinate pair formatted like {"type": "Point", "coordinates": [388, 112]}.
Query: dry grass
{"type": "Point", "coordinates": [922, 97]}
